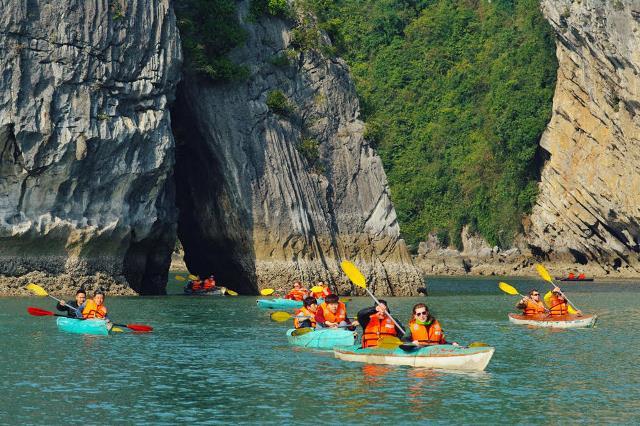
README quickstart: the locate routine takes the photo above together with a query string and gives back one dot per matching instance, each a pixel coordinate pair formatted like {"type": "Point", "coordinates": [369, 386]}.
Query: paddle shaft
{"type": "Point", "coordinates": [563, 295]}
{"type": "Point", "coordinates": [386, 312]}
{"type": "Point", "coordinates": [59, 301]}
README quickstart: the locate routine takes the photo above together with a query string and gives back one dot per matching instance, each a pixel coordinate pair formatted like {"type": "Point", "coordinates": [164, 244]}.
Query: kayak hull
{"type": "Point", "coordinates": [324, 338]}
{"type": "Point", "coordinates": [281, 304]}
{"type": "Point", "coordinates": [77, 326]}
{"type": "Point", "coordinates": [444, 357]}
{"type": "Point", "coordinates": [573, 279]}
{"type": "Point", "coordinates": [561, 321]}
{"type": "Point", "coordinates": [217, 291]}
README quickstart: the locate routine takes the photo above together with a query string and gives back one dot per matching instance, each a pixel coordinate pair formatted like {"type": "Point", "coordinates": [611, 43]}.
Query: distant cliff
{"type": "Point", "coordinates": [275, 181]}
{"type": "Point", "coordinates": [86, 144]}
{"type": "Point", "coordinates": [587, 210]}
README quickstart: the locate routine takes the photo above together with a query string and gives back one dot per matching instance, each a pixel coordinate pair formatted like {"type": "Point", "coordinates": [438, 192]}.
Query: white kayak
{"type": "Point", "coordinates": [445, 357]}
{"type": "Point", "coordinates": [559, 321]}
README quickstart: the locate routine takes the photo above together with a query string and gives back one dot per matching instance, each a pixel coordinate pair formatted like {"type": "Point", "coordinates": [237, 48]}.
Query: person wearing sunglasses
{"type": "Point", "coordinates": [425, 329]}
{"type": "Point", "coordinates": [531, 304]}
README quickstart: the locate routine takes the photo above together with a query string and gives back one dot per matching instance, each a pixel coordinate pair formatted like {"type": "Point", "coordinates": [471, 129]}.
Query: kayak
{"type": "Point", "coordinates": [573, 279]}
{"type": "Point", "coordinates": [280, 303]}
{"type": "Point", "coordinates": [77, 326]}
{"type": "Point", "coordinates": [446, 357]}
{"type": "Point", "coordinates": [560, 321]}
{"type": "Point", "coordinates": [216, 291]}
{"type": "Point", "coordinates": [323, 338]}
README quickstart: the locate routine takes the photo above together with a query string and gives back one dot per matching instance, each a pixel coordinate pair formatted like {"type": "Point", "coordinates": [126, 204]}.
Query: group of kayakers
{"type": "Point", "coordinates": [208, 284]}
{"type": "Point", "coordinates": [556, 304]}
{"type": "Point", "coordinates": [83, 308]}
{"type": "Point", "coordinates": [299, 292]}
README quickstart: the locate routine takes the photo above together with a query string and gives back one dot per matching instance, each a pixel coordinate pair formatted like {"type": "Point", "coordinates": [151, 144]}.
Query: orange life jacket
{"type": "Point", "coordinates": [91, 310]}
{"type": "Point", "coordinates": [209, 284]}
{"type": "Point", "coordinates": [377, 328]}
{"type": "Point", "coordinates": [571, 275]}
{"type": "Point", "coordinates": [196, 285]}
{"type": "Point", "coordinates": [533, 308]}
{"type": "Point", "coordinates": [298, 295]}
{"type": "Point", "coordinates": [431, 333]}
{"type": "Point", "coordinates": [339, 316]}
{"type": "Point", "coordinates": [304, 312]}
{"type": "Point", "coordinates": [322, 294]}
{"type": "Point", "coordinates": [557, 307]}
{"type": "Point", "coordinates": [581, 276]}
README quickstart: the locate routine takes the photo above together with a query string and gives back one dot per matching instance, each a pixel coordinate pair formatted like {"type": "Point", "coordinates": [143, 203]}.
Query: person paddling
{"type": "Point", "coordinates": [532, 305]}
{"type": "Point", "coordinates": [377, 323]}
{"type": "Point", "coordinates": [323, 293]}
{"type": "Point", "coordinates": [305, 316]}
{"type": "Point", "coordinates": [209, 283]}
{"type": "Point", "coordinates": [297, 292]}
{"type": "Point", "coordinates": [95, 308]}
{"type": "Point", "coordinates": [333, 314]}
{"type": "Point", "coordinates": [558, 303]}
{"type": "Point", "coordinates": [425, 329]}
{"type": "Point", "coordinates": [74, 308]}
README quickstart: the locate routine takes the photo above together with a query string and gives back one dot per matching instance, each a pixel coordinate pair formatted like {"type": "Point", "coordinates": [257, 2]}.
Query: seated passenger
{"type": "Point", "coordinates": [196, 285]}
{"type": "Point", "coordinates": [558, 303]}
{"type": "Point", "coordinates": [425, 329]}
{"type": "Point", "coordinates": [209, 283]}
{"type": "Point", "coordinates": [532, 305]}
{"type": "Point", "coordinates": [297, 292]}
{"type": "Point", "coordinates": [321, 294]}
{"type": "Point", "coordinates": [581, 277]}
{"type": "Point", "coordinates": [376, 323]}
{"type": "Point", "coordinates": [74, 308]}
{"type": "Point", "coordinates": [306, 316]}
{"type": "Point", "coordinates": [571, 276]}
{"type": "Point", "coordinates": [333, 314]}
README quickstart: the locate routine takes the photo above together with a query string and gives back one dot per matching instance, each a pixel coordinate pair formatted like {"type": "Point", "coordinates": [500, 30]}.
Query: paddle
{"type": "Point", "coordinates": [180, 278]}
{"type": "Point", "coordinates": [359, 280]}
{"type": "Point", "coordinates": [193, 277]}
{"type": "Point", "coordinates": [344, 300]}
{"type": "Point", "coordinates": [572, 309]}
{"type": "Point", "coordinates": [301, 331]}
{"type": "Point", "coordinates": [267, 291]}
{"type": "Point", "coordinates": [41, 313]}
{"type": "Point", "coordinates": [230, 292]}
{"type": "Point", "coordinates": [513, 291]}
{"type": "Point", "coordinates": [39, 291]}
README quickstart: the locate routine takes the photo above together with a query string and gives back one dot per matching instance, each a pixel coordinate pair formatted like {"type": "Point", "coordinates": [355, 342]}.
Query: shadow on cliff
{"type": "Point", "coordinates": [214, 231]}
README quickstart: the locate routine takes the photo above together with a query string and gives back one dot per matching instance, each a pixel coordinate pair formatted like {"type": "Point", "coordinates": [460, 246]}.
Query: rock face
{"type": "Point", "coordinates": [86, 144]}
{"type": "Point", "coordinates": [245, 187]}
{"type": "Point", "coordinates": [587, 211]}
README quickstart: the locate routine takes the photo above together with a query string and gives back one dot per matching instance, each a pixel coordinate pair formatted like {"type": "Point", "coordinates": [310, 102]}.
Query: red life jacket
{"type": "Point", "coordinates": [424, 334]}
{"type": "Point", "coordinates": [296, 294]}
{"type": "Point", "coordinates": [377, 328]}
{"type": "Point", "coordinates": [322, 294]}
{"type": "Point", "coordinates": [196, 285]}
{"type": "Point", "coordinates": [209, 284]}
{"type": "Point", "coordinates": [304, 312]}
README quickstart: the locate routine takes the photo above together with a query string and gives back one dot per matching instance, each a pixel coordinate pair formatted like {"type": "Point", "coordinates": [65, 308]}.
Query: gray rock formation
{"type": "Point", "coordinates": [86, 144]}
{"type": "Point", "coordinates": [587, 211]}
{"type": "Point", "coordinates": [253, 208]}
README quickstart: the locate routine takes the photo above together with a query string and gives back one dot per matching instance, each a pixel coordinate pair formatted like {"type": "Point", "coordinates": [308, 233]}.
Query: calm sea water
{"type": "Point", "coordinates": [221, 360]}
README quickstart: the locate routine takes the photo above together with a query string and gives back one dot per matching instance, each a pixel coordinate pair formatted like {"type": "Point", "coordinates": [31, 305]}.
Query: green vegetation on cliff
{"type": "Point", "coordinates": [456, 94]}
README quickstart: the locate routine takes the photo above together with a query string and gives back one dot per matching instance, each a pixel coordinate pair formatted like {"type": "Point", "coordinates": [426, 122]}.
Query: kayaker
{"type": "Point", "coordinates": [333, 314]}
{"type": "Point", "coordinates": [376, 323]}
{"type": "Point", "coordinates": [305, 316]}
{"type": "Point", "coordinates": [196, 285]}
{"type": "Point", "coordinates": [425, 329]}
{"type": "Point", "coordinates": [532, 305]}
{"type": "Point", "coordinates": [571, 276]}
{"type": "Point", "coordinates": [582, 276]}
{"type": "Point", "coordinates": [74, 308]}
{"type": "Point", "coordinates": [298, 292]}
{"type": "Point", "coordinates": [321, 294]}
{"type": "Point", "coordinates": [209, 283]}
{"type": "Point", "coordinates": [94, 308]}
{"type": "Point", "coordinates": [558, 304]}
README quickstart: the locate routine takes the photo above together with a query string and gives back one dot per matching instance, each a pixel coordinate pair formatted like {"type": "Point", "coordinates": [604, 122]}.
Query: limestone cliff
{"type": "Point", "coordinates": [86, 144]}
{"type": "Point", "coordinates": [587, 210]}
{"type": "Point", "coordinates": [269, 194]}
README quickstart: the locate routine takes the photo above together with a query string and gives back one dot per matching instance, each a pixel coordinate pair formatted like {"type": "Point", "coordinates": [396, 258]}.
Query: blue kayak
{"type": "Point", "coordinates": [78, 326]}
{"type": "Point", "coordinates": [281, 304]}
{"type": "Point", "coordinates": [323, 338]}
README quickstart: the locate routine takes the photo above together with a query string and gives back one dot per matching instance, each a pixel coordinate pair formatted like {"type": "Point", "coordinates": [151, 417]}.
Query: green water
{"type": "Point", "coordinates": [220, 360]}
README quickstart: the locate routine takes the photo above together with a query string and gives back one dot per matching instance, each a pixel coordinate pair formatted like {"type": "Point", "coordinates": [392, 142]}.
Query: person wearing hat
{"type": "Point", "coordinates": [74, 308]}
{"type": "Point", "coordinates": [376, 323]}
{"type": "Point", "coordinates": [558, 304]}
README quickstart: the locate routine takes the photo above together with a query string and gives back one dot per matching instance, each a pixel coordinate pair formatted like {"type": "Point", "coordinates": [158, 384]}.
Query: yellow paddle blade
{"type": "Point", "coordinates": [193, 277]}
{"type": "Point", "coordinates": [344, 300]}
{"type": "Point", "coordinates": [507, 288]}
{"type": "Point", "coordinates": [180, 278]}
{"type": "Point", "coordinates": [317, 289]}
{"type": "Point", "coordinates": [571, 310]}
{"type": "Point", "coordinates": [477, 345]}
{"type": "Point", "coordinates": [389, 342]}
{"type": "Point", "coordinates": [117, 330]}
{"type": "Point", "coordinates": [231, 292]}
{"type": "Point", "coordinates": [547, 298]}
{"type": "Point", "coordinates": [543, 273]}
{"type": "Point", "coordinates": [36, 289]}
{"type": "Point", "coordinates": [280, 316]}
{"type": "Point", "coordinates": [301, 331]}
{"type": "Point", "coordinates": [353, 273]}
{"type": "Point", "coordinates": [267, 291]}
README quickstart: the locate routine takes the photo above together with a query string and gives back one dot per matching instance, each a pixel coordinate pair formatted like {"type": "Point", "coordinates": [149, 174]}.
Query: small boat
{"type": "Point", "coordinates": [559, 321]}
{"type": "Point", "coordinates": [322, 338]}
{"type": "Point", "coordinates": [79, 326]}
{"type": "Point", "coordinates": [445, 357]}
{"type": "Point", "coordinates": [216, 291]}
{"type": "Point", "coordinates": [573, 279]}
{"type": "Point", "coordinates": [281, 304]}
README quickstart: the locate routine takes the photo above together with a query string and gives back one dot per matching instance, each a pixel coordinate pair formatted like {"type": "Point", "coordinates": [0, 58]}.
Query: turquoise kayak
{"type": "Point", "coordinates": [446, 357]}
{"type": "Point", "coordinates": [323, 338]}
{"type": "Point", "coordinates": [77, 326]}
{"type": "Point", "coordinates": [282, 304]}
